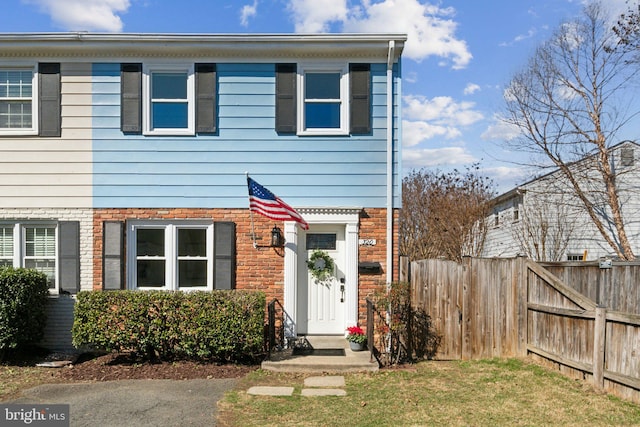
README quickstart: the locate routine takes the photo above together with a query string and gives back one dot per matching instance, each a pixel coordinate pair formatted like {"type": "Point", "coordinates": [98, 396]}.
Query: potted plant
{"type": "Point", "coordinates": [356, 338]}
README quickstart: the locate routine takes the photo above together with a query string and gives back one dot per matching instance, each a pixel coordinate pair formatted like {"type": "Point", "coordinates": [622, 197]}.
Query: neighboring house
{"type": "Point", "coordinates": [123, 161]}
{"type": "Point", "coordinates": [543, 219]}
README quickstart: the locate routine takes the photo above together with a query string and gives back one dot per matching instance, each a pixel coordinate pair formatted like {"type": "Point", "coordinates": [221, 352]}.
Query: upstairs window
{"type": "Point", "coordinates": [169, 100]}
{"type": "Point", "coordinates": [322, 103]}
{"type": "Point", "coordinates": [17, 101]}
{"type": "Point", "coordinates": [30, 100]}
{"type": "Point", "coordinates": [626, 156]}
{"type": "Point", "coordinates": [323, 100]}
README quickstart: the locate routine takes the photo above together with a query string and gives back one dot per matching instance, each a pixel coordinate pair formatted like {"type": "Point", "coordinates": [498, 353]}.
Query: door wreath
{"type": "Point", "coordinates": [320, 265]}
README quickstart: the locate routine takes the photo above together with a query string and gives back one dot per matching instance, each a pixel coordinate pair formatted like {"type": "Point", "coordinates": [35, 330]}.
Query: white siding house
{"type": "Point", "coordinates": [544, 220]}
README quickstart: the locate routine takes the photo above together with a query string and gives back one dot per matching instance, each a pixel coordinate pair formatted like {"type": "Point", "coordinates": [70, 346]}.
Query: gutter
{"type": "Point", "coordinates": [365, 47]}
{"type": "Point", "coordinates": [390, 58]}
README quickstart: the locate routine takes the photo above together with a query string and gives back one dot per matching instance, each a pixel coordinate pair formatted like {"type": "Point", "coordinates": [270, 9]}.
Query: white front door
{"type": "Point", "coordinates": [321, 304]}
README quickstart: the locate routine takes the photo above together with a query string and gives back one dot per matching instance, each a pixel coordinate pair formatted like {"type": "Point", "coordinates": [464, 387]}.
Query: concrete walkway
{"type": "Point", "coordinates": [350, 361]}
{"type": "Point", "coordinates": [313, 386]}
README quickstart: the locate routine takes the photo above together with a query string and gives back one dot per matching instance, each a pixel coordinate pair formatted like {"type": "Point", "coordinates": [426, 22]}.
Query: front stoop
{"type": "Point", "coordinates": [352, 361]}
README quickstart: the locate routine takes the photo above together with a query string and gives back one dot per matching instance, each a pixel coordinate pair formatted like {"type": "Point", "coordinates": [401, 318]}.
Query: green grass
{"type": "Point", "coordinates": [510, 392]}
{"type": "Point", "coordinates": [14, 379]}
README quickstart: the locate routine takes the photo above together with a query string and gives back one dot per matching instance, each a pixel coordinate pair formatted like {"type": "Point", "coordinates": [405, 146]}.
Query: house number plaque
{"type": "Point", "coordinates": [367, 242]}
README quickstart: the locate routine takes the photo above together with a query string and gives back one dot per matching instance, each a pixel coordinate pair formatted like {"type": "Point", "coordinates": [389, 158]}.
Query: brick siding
{"type": "Point", "coordinates": [259, 268]}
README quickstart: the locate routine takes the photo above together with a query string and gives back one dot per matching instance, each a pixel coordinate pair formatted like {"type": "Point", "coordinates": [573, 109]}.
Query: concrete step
{"type": "Point", "coordinates": [352, 361]}
{"type": "Point", "coordinates": [326, 341]}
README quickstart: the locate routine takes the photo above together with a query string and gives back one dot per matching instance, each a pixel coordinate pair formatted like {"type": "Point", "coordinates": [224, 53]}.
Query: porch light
{"type": "Point", "coordinates": [276, 238]}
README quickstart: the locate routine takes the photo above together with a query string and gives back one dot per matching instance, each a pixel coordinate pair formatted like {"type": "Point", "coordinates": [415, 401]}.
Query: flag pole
{"type": "Point", "coordinates": [253, 233]}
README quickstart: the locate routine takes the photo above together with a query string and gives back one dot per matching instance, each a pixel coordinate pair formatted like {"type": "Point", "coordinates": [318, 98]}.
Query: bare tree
{"type": "Point", "coordinates": [568, 104]}
{"type": "Point", "coordinates": [545, 226]}
{"type": "Point", "coordinates": [442, 213]}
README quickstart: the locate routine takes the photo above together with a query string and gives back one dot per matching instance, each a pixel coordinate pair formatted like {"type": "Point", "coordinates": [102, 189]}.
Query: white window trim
{"type": "Point", "coordinates": [170, 253]}
{"type": "Point", "coordinates": [19, 245]}
{"type": "Point", "coordinates": [148, 69]}
{"type": "Point", "coordinates": [576, 255]}
{"type": "Point", "coordinates": [343, 69]}
{"type": "Point", "coordinates": [34, 100]}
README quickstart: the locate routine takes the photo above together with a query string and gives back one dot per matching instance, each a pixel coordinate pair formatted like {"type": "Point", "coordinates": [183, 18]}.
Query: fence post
{"type": "Point", "coordinates": [522, 292]}
{"type": "Point", "coordinates": [599, 336]}
{"type": "Point", "coordinates": [404, 269]}
{"type": "Point", "coordinates": [370, 331]}
{"type": "Point", "coordinates": [466, 349]}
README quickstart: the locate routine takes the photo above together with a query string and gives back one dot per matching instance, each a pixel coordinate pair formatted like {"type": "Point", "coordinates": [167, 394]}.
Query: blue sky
{"type": "Point", "coordinates": [459, 56]}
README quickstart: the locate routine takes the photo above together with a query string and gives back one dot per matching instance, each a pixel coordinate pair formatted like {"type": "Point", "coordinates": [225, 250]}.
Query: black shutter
{"type": "Point", "coordinates": [112, 255]}
{"type": "Point", "coordinates": [626, 156]}
{"type": "Point", "coordinates": [69, 255]}
{"type": "Point", "coordinates": [286, 98]}
{"type": "Point", "coordinates": [131, 98]}
{"type": "Point", "coordinates": [49, 99]}
{"type": "Point", "coordinates": [205, 98]}
{"type": "Point", "coordinates": [224, 253]}
{"type": "Point", "coordinates": [360, 98]}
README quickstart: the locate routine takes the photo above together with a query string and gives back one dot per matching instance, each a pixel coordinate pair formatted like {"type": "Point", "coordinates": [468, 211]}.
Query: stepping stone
{"type": "Point", "coordinates": [312, 392]}
{"type": "Point", "coordinates": [324, 381]}
{"type": "Point", "coordinates": [55, 364]}
{"type": "Point", "coordinates": [270, 391]}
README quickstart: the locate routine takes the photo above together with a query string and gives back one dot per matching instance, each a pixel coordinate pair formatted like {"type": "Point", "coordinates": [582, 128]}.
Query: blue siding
{"type": "Point", "coordinates": [209, 170]}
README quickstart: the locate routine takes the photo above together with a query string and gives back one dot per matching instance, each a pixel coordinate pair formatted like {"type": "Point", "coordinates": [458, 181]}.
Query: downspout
{"type": "Point", "coordinates": [390, 58]}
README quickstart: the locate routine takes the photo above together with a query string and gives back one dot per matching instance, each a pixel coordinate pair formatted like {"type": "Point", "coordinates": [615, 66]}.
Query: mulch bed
{"type": "Point", "coordinates": [112, 367]}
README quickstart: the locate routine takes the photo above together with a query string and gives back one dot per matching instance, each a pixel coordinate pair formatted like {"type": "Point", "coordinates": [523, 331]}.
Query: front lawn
{"type": "Point", "coordinates": [506, 392]}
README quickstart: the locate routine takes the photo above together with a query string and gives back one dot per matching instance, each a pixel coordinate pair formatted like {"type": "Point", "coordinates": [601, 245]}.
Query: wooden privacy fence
{"type": "Point", "coordinates": [487, 308]}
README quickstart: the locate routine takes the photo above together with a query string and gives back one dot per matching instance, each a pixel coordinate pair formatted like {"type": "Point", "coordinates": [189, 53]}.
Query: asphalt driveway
{"type": "Point", "coordinates": [135, 403]}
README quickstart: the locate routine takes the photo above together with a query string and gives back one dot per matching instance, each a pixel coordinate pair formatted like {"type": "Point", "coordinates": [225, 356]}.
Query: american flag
{"type": "Point", "coordinates": [266, 203]}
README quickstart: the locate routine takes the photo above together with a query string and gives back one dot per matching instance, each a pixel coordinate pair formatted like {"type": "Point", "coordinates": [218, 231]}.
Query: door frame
{"type": "Point", "coordinates": [332, 317]}
{"type": "Point", "coordinates": [347, 217]}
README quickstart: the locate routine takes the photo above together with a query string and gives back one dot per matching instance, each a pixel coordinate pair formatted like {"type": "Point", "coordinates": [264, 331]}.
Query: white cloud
{"type": "Point", "coordinates": [433, 157]}
{"type": "Point", "coordinates": [413, 133]}
{"type": "Point", "coordinates": [441, 110]}
{"type": "Point", "coordinates": [502, 173]}
{"type": "Point", "coordinates": [248, 11]}
{"type": "Point", "coordinates": [410, 77]}
{"type": "Point", "coordinates": [84, 15]}
{"type": "Point", "coordinates": [506, 178]}
{"type": "Point", "coordinates": [500, 130]}
{"type": "Point", "coordinates": [437, 117]}
{"type": "Point", "coordinates": [314, 16]}
{"type": "Point", "coordinates": [430, 28]}
{"type": "Point", "coordinates": [520, 37]}
{"type": "Point", "coordinates": [471, 88]}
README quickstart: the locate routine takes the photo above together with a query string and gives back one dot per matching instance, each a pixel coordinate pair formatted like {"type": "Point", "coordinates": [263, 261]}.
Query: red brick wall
{"type": "Point", "coordinates": [261, 268]}
{"type": "Point", "coordinates": [373, 225]}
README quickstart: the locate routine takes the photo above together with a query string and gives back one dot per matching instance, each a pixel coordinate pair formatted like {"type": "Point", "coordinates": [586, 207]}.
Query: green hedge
{"type": "Point", "coordinates": [219, 325]}
{"type": "Point", "coordinates": [23, 304]}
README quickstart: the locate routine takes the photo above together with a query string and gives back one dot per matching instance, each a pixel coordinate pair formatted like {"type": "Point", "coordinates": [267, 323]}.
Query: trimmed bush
{"type": "Point", "coordinates": [23, 304]}
{"type": "Point", "coordinates": [219, 325]}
